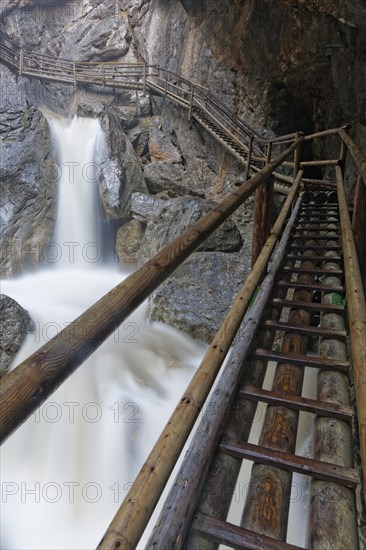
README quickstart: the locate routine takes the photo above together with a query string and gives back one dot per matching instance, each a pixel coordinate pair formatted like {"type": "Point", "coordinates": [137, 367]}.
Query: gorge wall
{"type": "Point", "coordinates": [282, 65]}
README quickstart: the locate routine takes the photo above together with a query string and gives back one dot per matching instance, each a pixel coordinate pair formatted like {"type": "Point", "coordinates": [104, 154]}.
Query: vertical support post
{"type": "Point", "coordinates": [103, 74]}
{"type": "Point", "coordinates": [343, 153]}
{"type": "Point", "coordinates": [250, 152]}
{"type": "Point", "coordinates": [262, 216]}
{"type": "Point", "coordinates": [269, 152]}
{"type": "Point", "coordinates": [166, 81]}
{"type": "Point", "coordinates": [144, 79]}
{"type": "Point", "coordinates": [262, 211]}
{"type": "Point", "coordinates": [21, 61]}
{"type": "Point", "coordinates": [359, 226]}
{"type": "Point", "coordinates": [297, 156]}
{"type": "Point", "coordinates": [191, 104]}
{"type": "Point", "coordinates": [74, 71]}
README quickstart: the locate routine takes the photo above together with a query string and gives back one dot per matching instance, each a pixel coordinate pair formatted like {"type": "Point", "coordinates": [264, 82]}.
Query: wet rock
{"type": "Point", "coordinates": [15, 323]}
{"type": "Point", "coordinates": [28, 180]}
{"type": "Point", "coordinates": [144, 206]}
{"type": "Point", "coordinates": [128, 241]}
{"type": "Point", "coordinates": [195, 298]}
{"type": "Point", "coordinates": [171, 217]}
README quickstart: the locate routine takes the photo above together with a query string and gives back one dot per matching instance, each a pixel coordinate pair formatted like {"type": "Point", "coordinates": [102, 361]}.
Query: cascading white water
{"type": "Point", "coordinates": [67, 469]}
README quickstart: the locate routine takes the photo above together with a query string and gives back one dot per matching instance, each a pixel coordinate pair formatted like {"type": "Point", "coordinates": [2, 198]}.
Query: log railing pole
{"type": "Point", "coordinates": [357, 315]}
{"type": "Point", "coordinates": [21, 61]}
{"type": "Point", "coordinates": [74, 72]}
{"type": "Point", "coordinates": [190, 103]}
{"type": "Point", "coordinates": [262, 211]}
{"type": "Point", "coordinates": [359, 226]}
{"type": "Point", "coordinates": [357, 155]}
{"type": "Point", "coordinates": [25, 388]}
{"type": "Point", "coordinates": [249, 160]}
{"type": "Point", "coordinates": [144, 79]}
{"type": "Point", "coordinates": [297, 156]}
{"type": "Point", "coordinates": [140, 502]}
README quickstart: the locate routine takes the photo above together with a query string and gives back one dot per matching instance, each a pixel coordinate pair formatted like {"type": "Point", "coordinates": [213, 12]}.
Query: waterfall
{"type": "Point", "coordinates": [78, 230]}
{"type": "Point", "coordinates": [67, 469]}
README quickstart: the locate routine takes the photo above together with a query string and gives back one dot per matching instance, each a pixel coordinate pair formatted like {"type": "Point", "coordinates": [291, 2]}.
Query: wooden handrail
{"type": "Point", "coordinates": [357, 155]}
{"type": "Point", "coordinates": [29, 384]}
{"type": "Point", "coordinates": [357, 315]}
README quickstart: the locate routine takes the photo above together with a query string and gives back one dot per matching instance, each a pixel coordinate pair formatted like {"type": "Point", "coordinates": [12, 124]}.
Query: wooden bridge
{"type": "Point", "coordinates": [301, 307]}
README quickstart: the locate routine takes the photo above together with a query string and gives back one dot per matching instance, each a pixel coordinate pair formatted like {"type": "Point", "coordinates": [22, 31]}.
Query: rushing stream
{"type": "Point", "coordinates": [67, 469]}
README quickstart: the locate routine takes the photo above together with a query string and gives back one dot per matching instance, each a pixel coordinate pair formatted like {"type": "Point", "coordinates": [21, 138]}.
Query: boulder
{"type": "Point", "coordinates": [15, 323]}
{"type": "Point", "coordinates": [169, 218]}
{"type": "Point", "coordinates": [120, 172]}
{"type": "Point", "coordinates": [196, 298]}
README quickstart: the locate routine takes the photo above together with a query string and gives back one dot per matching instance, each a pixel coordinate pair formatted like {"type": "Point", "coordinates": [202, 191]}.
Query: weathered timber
{"type": "Point", "coordinates": [357, 316]}
{"type": "Point", "coordinates": [357, 155]}
{"type": "Point", "coordinates": [332, 521]}
{"type": "Point", "coordinates": [304, 360]}
{"type": "Point", "coordinates": [131, 518]}
{"type": "Point", "coordinates": [262, 217]}
{"type": "Point", "coordinates": [296, 402]}
{"type": "Point", "coordinates": [359, 226]}
{"type": "Point", "coordinates": [174, 520]}
{"type": "Point", "coordinates": [266, 507]}
{"type": "Point", "coordinates": [29, 385]}
{"type": "Point", "coordinates": [219, 531]}
{"type": "Point", "coordinates": [311, 331]}
{"type": "Point", "coordinates": [290, 462]}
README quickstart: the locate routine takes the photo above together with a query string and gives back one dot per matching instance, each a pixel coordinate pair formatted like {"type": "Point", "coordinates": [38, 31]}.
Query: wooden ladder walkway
{"type": "Point", "coordinates": [297, 322]}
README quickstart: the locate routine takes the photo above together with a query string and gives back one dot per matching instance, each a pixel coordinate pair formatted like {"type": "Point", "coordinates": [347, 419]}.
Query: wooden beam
{"type": "Point", "coordinates": [357, 316]}
{"type": "Point", "coordinates": [359, 226]}
{"type": "Point", "coordinates": [357, 155]}
{"type": "Point", "coordinates": [262, 217]}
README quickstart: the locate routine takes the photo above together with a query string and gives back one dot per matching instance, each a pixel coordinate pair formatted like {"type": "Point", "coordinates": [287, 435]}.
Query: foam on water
{"type": "Point", "coordinates": [67, 469]}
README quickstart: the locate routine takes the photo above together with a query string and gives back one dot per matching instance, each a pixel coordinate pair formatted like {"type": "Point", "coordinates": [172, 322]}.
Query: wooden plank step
{"type": "Point", "coordinates": [316, 246]}
{"type": "Point", "coordinates": [222, 532]}
{"type": "Point", "coordinates": [311, 286]}
{"type": "Point", "coordinates": [325, 238]}
{"type": "Point", "coordinates": [318, 469]}
{"type": "Point", "coordinates": [302, 360]}
{"type": "Point", "coordinates": [315, 271]}
{"type": "Point", "coordinates": [315, 258]}
{"type": "Point", "coordinates": [302, 329]}
{"type": "Point", "coordinates": [297, 403]}
{"type": "Point", "coordinates": [311, 306]}
{"type": "Point", "coordinates": [317, 223]}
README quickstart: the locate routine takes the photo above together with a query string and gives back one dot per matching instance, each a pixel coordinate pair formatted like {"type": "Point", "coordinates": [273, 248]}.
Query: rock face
{"type": "Point", "coordinates": [15, 322]}
{"type": "Point", "coordinates": [28, 183]}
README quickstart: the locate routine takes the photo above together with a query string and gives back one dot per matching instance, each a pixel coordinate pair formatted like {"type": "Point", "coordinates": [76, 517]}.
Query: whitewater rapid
{"type": "Point", "coordinates": [68, 468]}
